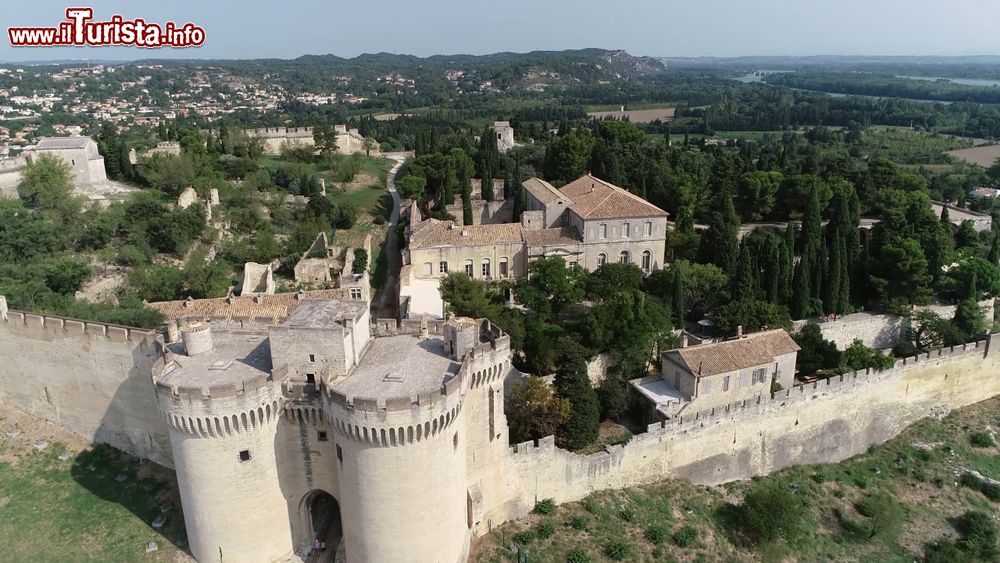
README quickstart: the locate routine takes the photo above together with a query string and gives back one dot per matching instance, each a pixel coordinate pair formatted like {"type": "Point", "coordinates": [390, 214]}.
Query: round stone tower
{"type": "Point", "coordinates": [222, 416]}
{"type": "Point", "coordinates": [403, 482]}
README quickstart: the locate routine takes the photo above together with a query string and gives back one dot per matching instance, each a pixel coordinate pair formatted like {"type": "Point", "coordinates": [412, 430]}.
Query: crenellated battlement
{"type": "Point", "coordinates": [51, 326]}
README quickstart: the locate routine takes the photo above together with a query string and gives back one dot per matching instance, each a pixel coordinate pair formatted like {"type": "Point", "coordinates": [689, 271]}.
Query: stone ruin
{"type": "Point", "coordinates": [257, 278]}
{"type": "Point", "coordinates": [318, 262]}
{"type": "Point", "coordinates": [187, 198]}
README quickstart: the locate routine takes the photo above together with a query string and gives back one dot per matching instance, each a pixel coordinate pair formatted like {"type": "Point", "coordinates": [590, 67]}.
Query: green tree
{"type": "Point", "coordinates": [753, 315]}
{"type": "Point", "coordinates": [534, 411]}
{"type": "Point", "coordinates": [46, 184]}
{"type": "Point", "coordinates": [466, 198]}
{"type": "Point", "coordinates": [411, 186]}
{"type": "Point", "coordinates": [770, 511]}
{"type": "Point", "coordinates": [966, 236]}
{"type": "Point", "coordinates": [969, 320]}
{"type": "Point", "coordinates": [756, 193]}
{"type": "Point", "coordinates": [550, 287]}
{"type": "Point", "coordinates": [325, 139]}
{"type": "Point", "coordinates": [899, 273]}
{"type": "Point", "coordinates": [466, 297]}
{"type": "Point", "coordinates": [573, 383]}
{"type": "Point", "coordinates": [567, 157]}
{"type": "Point", "coordinates": [677, 297]}
{"type": "Point", "coordinates": [857, 356]}
{"type": "Point", "coordinates": [816, 353]}
{"type": "Point", "coordinates": [720, 244]}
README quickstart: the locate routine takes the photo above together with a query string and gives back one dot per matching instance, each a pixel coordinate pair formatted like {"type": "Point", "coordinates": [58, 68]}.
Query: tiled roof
{"type": "Point", "coordinates": [755, 349]}
{"type": "Point", "coordinates": [543, 191]}
{"type": "Point", "coordinates": [432, 233]}
{"type": "Point", "coordinates": [594, 198]}
{"type": "Point", "coordinates": [552, 237]}
{"type": "Point", "coordinates": [275, 307]}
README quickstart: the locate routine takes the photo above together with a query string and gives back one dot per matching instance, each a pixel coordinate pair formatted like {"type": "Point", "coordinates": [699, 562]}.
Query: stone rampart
{"type": "Point", "coordinates": [877, 330]}
{"type": "Point", "coordinates": [90, 378]}
{"type": "Point", "coordinates": [823, 422]}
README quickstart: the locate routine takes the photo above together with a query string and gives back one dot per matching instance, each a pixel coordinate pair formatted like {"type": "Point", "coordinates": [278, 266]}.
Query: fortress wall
{"type": "Point", "coordinates": [877, 330]}
{"type": "Point", "coordinates": [824, 422]}
{"type": "Point", "coordinates": [305, 464]}
{"type": "Point", "coordinates": [93, 379]}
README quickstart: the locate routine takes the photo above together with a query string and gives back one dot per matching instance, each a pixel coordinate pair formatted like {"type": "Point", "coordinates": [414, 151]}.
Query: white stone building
{"type": "Point", "coordinates": [589, 222]}
{"type": "Point", "coordinates": [79, 153]}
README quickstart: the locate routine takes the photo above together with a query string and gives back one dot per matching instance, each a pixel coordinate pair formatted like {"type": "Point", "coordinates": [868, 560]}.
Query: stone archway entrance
{"type": "Point", "coordinates": [322, 512]}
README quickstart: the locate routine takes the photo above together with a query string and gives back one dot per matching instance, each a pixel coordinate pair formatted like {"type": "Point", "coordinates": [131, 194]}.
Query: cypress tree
{"type": "Point", "coordinates": [677, 297]}
{"type": "Point", "coordinates": [744, 283]}
{"type": "Point", "coordinates": [720, 244]}
{"type": "Point", "coordinates": [994, 254]}
{"type": "Point", "coordinates": [786, 266]}
{"type": "Point", "coordinates": [800, 290]}
{"type": "Point", "coordinates": [832, 281]}
{"type": "Point", "coordinates": [573, 383]}
{"type": "Point", "coordinates": [450, 184]}
{"type": "Point", "coordinates": [466, 198]}
{"type": "Point", "coordinates": [487, 187]}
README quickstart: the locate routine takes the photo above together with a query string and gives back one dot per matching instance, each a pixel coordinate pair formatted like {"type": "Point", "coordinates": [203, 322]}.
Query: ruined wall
{"type": "Point", "coordinates": [819, 423]}
{"type": "Point", "coordinates": [92, 379]}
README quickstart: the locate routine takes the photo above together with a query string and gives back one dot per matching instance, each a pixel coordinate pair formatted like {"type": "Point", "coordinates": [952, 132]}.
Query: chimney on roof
{"type": "Point", "coordinates": [465, 232]}
{"type": "Point", "coordinates": [188, 302]}
{"type": "Point", "coordinates": [739, 331]}
{"type": "Point", "coordinates": [684, 339]}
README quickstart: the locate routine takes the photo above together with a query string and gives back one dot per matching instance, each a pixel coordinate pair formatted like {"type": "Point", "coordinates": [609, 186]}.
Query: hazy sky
{"type": "Point", "coordinates": [289, 28]}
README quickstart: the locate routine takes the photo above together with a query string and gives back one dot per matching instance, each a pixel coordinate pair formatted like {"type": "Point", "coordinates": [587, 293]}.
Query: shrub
{"type": "Point", "coordinates": [545, 529]}
{"type": "Point", "coordinates": [524, 537]}
{"type": "Point", "coordinates": [979, 535]}
{"type": "Point", "coordinates": [577, 555]}
{"type": "Point", "coordinates": [591, 505]}
{"type": "Point", "coordinates": [686, 536]}
{"type": "Point", "coordinates": [545, 506]}
{"type": "Point", "coordinates": [617, 549]}
{"type": "Point", "coordinates": [579, 522]}
{"type": "Point", "coordinates": [981, 439]}
{"type": "Point", "coordinates": [769, 511]}
{"type": "Point", "coordinates": [656, 534]}
{"type": "Point", "coordinates": [627, 513]}
{"type": "Point", "coordinates": [360, 261]}
{"type": "Point", "coordinates": [885, 514]}
{"type": "Point", "coordinates": [992, 491]}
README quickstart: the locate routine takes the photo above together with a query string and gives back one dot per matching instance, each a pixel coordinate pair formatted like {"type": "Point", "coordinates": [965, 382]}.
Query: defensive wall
{"type": "Point", "coordinates": [878, 330]}
{"type": "Point", "coordinates": [823, 422]}
{"type": "Point", "coordinates": [10, 176]}
{"type": "Point", "coordinates": [90, 378]}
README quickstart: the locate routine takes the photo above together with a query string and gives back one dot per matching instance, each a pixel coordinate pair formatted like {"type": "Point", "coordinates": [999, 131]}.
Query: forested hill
{"type": "Point", "coordinates": [537, 70]}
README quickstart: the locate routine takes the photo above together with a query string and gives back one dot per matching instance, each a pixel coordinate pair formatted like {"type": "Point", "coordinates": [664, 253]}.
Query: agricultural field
{"type": "Point", "coordinates": [636, 115]}
{"type": "Point", "coordinates": [62, 500]}
{"type": "Point", "coordinates": [984, 155]}
{"type": "Point", "coordinates": [898, 502]}
{"type": "Point", "coordinates": [912, 147]}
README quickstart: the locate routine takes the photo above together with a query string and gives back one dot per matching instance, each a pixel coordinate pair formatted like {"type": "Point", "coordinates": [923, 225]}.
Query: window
{"type": "Point", "coordinates": [647, 260]}
{"type": "Point", "coordinates": [725, 384]}
{"type": "Point", "coordinates": [649, 228]}
{"type": "Point", "coordinates": [572, 264]}
{"type": "Point", "coordinates": [601, 259]}
{"type": "Point", "coordinates": [625, 230]}
{"type": "Point", "coordinates": [486, 268]}
{"type": "Point", "coordinates": [503, 267]}
{"type": "Point", "coordinates": [311, 378]}
{"type": "Point", "coordinates": [442, 267]}
{"type": "Point", "coordinates": [603, 231]}
{"type": "Point", "coordinates": [468, 268]}
{"type": "Point", "coordinates": [706, 387]}
{"type": "Point", "coordinates": [429, 268]}
{"type": "Point", "coordinates": [312, 358]}
{"type": "Point", "coordinates": [321, 436]}
{"type": "Point", "coordinates": [356, 293]}
{"type": "Point", "coordinates": [758, 376]}
{"type": "Point", "coordinates": [624, 257]}
{"type": "Point", "coordinates": [340, 454]}
{"type": "Point", "coordinates": [245, 455]}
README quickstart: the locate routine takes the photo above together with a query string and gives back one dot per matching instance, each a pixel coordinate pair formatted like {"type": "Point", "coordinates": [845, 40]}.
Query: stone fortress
{"type": "Point", "coordinates": [349, 141]}
{"type": "Point", "coordinates": [296, 418]}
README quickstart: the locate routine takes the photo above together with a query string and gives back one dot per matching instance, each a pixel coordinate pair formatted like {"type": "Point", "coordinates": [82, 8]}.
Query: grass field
{"type": "Point", "coordinates": [677, 521]}
{"type": "Point", "coordinates": [911, 147]}
{"type": "Point", "coordinates": [91, 505]}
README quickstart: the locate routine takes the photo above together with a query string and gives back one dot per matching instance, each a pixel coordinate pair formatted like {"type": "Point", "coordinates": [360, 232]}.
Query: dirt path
{"type": "Point", "coordinates": [386, 301]}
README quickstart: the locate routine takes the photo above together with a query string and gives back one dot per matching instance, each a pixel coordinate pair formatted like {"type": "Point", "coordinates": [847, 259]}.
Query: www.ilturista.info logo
{"type": "Point", "coordinates": [78, 29]}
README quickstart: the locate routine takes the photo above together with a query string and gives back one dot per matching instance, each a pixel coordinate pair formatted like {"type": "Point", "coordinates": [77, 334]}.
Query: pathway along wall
{"type": "Point", "coordinates": [819, 423]}
{"type": "Point", "coordinates": [90, 378]}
